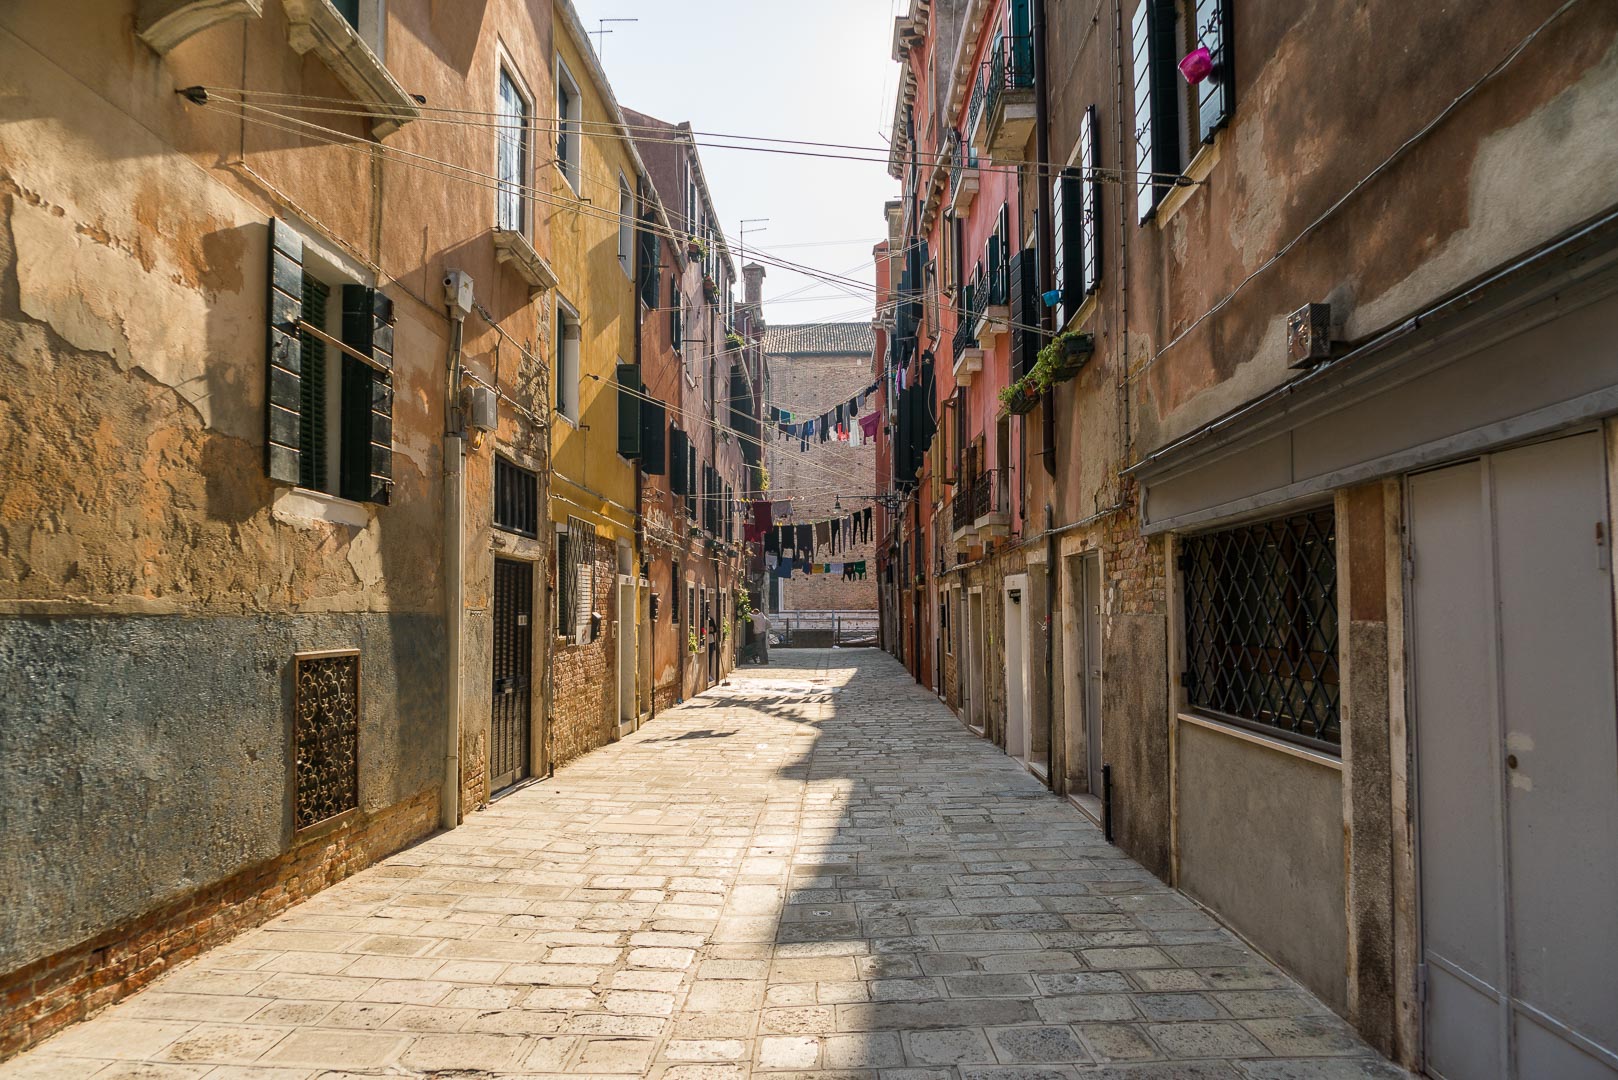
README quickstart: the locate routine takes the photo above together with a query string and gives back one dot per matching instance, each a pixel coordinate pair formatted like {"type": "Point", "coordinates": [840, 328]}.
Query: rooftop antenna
{"type": "Point", "coordinates": [759, 224]}
{"type": "Point", "coordinates": [601, 32]}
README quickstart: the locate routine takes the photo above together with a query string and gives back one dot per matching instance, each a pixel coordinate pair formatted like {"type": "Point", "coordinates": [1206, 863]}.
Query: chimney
{"type": "Point", "coordinates": [753, 291]}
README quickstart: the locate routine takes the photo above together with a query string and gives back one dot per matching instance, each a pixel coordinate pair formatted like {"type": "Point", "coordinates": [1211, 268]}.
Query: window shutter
{"type": "Point", "coordinates": [629, 390]}
{"type": "Point", "coordinates": [1025, 316]}
{"type": "Point", "coordinates": [312, 449]}
{"type": "Point", "coordinates": [1216, 93]}
{"type": "Point", "coordinates": [648, 264]}
{"type": "Point", "coordinates": [367, 422]}
{"type": "Point", "coordinates": [283, 394]}
{"type": "Point", "coordinates": [585, 604]}
{"type": "Point", "coordinates": [691, 480]}
{"type": "Point", "coordinates": [674, 311]}
{"type": "Point", "coordinates": [1061, 221]}
{"type": "Point", "coordinates": [1088, 203]}
{"type": "Point", "coordinates": [653, 424]}
{"type": "Point", "coordinates": [677, 448]}
{"type": "Point", "coordinates": [1157, 111]}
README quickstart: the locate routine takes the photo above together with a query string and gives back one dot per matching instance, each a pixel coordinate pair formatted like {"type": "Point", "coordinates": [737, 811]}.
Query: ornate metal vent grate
{"type": "Point", "coordinates": [326, 723]}
{"type": "Point", "coordinates": [1261, 626]}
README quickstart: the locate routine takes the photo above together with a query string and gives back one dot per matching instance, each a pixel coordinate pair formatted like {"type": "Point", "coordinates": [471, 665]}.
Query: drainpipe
{"type": "Point", "coordinates": [454, 602]}
{"type": "Point", "coordinates": [1043, 171]}
{"type": "Point", "coordinates": [1050, 659]}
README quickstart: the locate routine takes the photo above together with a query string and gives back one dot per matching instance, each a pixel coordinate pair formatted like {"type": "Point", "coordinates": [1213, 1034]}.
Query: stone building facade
{"type": "Point", "coordinates": [1287, 478]}
{"type": "Point", "coordinates": [814, 367]}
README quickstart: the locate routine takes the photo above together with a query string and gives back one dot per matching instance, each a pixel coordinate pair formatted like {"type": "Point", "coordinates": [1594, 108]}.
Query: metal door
{"type": "Point", "coordinates": [1516, 763]}
{"type": "Point", "coordinates": [513, 665]}
{"type": "Point", "coordinates": [1090, 674]}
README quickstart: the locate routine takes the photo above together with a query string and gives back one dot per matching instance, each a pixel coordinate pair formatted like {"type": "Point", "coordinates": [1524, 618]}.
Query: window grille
{"type": "Point", "coordinates": [575, 586]}
{"type": "Point", "coordinates": [516, 498]}
{"type": "Point", "coordinates": [326, 725]}
{"type": "Point", "coordinates": [1261, 626]}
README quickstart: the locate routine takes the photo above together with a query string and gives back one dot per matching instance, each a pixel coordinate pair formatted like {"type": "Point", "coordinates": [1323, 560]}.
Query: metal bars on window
{"type": "Point", "coordinates": [326, 732]}
{"type": "Point", "coordinates": [516, 498]}
{"type": "Point", "coordinates": [1261, 626]}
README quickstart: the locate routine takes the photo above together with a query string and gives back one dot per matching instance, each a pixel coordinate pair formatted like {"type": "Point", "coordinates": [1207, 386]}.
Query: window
{"type": "Point", "coordinates": [626, 227]}
{"type": "Point", "coordinates": [369, 20]}
{"type": "Point", "coordinates": [511, 156]}
{"type": "Point", "coordinates": [1261, 626]}
{"type": "Point", "coordinates": [675, 304]}
{"type": "Point", "coordinates": [575, 581]}
{"type": "Point", "coordinates": [691, 607]}
{"type": "Point", "coordinates": [330, 413]}
{"type": "Point", "coordinates": [1172, 117]}
{"type": "Point", "coordinates": [675, 579]}
{"type": "Point", "coordinates": [516, 498]}
{"type": "Point", "coordinates": [1076, 223]}
{"type": "Point", "coordinates": [569, 117]}
{"type": "Point", "coordinates": [567, 361]}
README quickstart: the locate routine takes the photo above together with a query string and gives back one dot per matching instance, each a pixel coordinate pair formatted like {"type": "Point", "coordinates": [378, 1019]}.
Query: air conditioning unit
{"type": "Point", "coordinates": [480, 407]}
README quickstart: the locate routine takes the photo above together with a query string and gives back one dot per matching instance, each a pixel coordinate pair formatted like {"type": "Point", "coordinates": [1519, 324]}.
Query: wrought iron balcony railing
{"type": "Point", "coordinates": [962, 161]}
{"type": "Point", "coordinates": [988, 493]}
{"type": "Point", "coordinates": [961, 507]}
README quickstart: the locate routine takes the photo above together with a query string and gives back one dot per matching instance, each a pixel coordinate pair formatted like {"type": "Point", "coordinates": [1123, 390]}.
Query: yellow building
{"type": "Point", "coordinates": [595, 176]}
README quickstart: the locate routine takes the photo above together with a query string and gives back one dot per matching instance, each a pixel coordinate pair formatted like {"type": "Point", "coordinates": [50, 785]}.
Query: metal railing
{"type": "Point", "coordinates": [963, 160]}
{"type": "Point", "coordinates": [819, 629]}
{"type": "Point", "coordinates": [1010, 67]}
{"type": "Point", "coordinates": [961, 508]}
{"type": "Point", "coordinates": [988, 493]}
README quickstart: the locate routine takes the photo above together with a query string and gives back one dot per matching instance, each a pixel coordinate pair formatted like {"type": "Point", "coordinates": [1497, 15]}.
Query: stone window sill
{"type": "Point", "coordinates": [512, 248]}
{"type": "Point", "coordinates": [1197, 170]}
{"type": "Point", "coordinates": [304, 506]}
{"type": "Point", "coordinates": [163, 24]}
{"type": "Point", "coordinates": [316, 26]}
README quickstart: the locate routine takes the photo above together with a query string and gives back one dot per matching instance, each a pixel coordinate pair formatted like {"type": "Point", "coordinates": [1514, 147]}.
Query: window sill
{"type": "Point", "coordinates": [1200, 166]}
{"type": "Point", "coordinates": [513, 248]}
{"type": "Point", "coordinates": [1267, 741]}
{"type": "Point", "coordinates": [163, 24]}
{"type": "Point", "coordinates": [304, 506]}
{"type": "Point", "coordinates": [570, 177]}
{"type": "Point", "coordinates": [1082, 316]}
{"type": "Point", "coordinates": [316, 26]}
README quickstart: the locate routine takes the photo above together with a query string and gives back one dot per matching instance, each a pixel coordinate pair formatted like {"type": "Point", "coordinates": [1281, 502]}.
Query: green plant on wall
{"type": "Point", "coordinates": [744, 605]}
{"type": "Point", "coordinates": [734, 340]}
{"type": "Point", "coordinates": [691, 641]}
{"type": "Point", "coordinates": [1061, 359]}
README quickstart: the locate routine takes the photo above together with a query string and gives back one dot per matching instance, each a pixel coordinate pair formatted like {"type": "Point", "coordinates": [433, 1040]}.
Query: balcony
{"type": "Point", "coordinates": [990, 316]}
{"type": "Point", "coordinates": [968, 354]}
{"type": "Point", "coordinates": [963, 178]}
{"type": "Point", "coordinates": [990, 503]}
{"type": "Point", "coordinates": [1002, 112]}
{"type": "Point", "coordinates": [961, 527]}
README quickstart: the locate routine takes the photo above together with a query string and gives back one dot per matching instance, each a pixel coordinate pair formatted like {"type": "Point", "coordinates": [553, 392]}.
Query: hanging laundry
{"type": "Point", "coordinates": [771, 561]}
{"type": "Point", "coordinates": [805, 546]}
{"type": "Point", "coordinates": [822, 536]}
{"type": "Point", "coordinates": [869, 422]}
{"type": "Point", "coordinates": [836, 527]}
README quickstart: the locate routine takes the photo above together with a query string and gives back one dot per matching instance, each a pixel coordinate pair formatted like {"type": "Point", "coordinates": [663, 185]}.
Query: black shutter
{"type": "Point", "coordinates": [648, 269]}
{"type": "Point", "coordinates": [283, 393]}
{"type": "Point", "coordinates": [674, 312]}
{"type": "Point", "coordinates": [653, 452]}
{"type": "Point", "coordinates": [629, 410]}
{"type": "Point", "coordinates": [367, 421]}
{"type": "Point", "coordinates": [1157, 109]}
{"type": "Point", "coordinates": [691, 480]}
{"type": "Point", "coordinates": [1089, 203]}
{"type": "Point", "coordinates": [1024, 302]}
{"type": "Point", "coordinates": [677, 447]}
{"type": "Point", "coordinates": [1217, 92]}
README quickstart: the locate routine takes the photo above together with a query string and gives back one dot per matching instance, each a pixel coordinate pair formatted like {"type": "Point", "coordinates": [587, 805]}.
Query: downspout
{"type": "Point", "coordinates": [640, 481]}
{"type": "Point", "coordinates": [1043, 172]}
{"type": "Point", "coordinates": [449, 814]}
{"type": "Point", "coordinates": [1050, 658]}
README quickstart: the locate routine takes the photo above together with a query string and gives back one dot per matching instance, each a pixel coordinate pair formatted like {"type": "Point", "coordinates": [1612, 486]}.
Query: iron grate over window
{"type": "Point", "coordinates": [1261, 626]}
{"type": "Point", "coordinates": [516, 498]}
{"type": "Point", "coordinates": [326, 732]}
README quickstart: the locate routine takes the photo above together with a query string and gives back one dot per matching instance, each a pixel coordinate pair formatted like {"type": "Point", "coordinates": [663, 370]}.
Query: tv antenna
{"type": "Point", "coordinates": [601, 32]}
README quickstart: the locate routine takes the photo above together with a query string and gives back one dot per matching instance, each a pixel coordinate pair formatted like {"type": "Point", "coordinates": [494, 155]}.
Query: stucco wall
{"type": "Point", "coordinates": [1261, 842]}
{"type": "Point", "coordinates": [120, 732]}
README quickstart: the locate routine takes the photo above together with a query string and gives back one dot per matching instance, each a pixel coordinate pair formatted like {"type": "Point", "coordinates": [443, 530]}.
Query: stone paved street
{"type": "Point", "coordinates": [815, 868]}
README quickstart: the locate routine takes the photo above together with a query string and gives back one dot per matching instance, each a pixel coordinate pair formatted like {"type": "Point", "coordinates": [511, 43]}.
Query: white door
{"type": "Point", "coordinates": [975, 662]}
{"type": "Point", "coordinates": [628, 635]}
{"type": "Point", "coordinates": [1516, 763]}
{"type": "Point", "coordinates": [1016, 606]}
{"type": "Point", "coordinates": [1090, 671]}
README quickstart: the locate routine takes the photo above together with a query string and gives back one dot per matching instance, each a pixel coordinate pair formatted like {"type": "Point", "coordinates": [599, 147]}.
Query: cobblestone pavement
{"type": "Point", "coordinates": [812, 869]}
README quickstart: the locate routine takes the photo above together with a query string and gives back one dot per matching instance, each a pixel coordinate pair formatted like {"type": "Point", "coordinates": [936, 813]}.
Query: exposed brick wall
{"type": "Point", "coordinates": [1133, 563]}
{"type": "Point", "coordinates": [584, 714]}
{"type": "Point", "coordinates": [38, 1000]}
{"type": "Point", "coordinates": [815, 477]}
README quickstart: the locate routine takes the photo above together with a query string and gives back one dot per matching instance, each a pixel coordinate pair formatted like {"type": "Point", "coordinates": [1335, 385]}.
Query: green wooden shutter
{"type": "Point", "coordinates": [312, 449]}
{"type": "Point", "coordinates": [1024, 307]}
{"type": "Point", "coordinates": [691, 480]}
{"type": "Point", "coordinates": [649, 270]}
{"type": "Point", "coordinates": [283, 393]}
{"type": "Point", "coordinates": [677, 447]}
{"type": "Point", "coordinates": [653, 424]}
{"type": "Point", "coordinates": [367, 419]}
{"type": "Point", "coordinates": [1216, 93]}
{"type": "Point", "coordinates": [629, 410]}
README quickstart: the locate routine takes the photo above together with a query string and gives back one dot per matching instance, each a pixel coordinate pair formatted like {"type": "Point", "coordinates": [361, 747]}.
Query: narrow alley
{"type": "Point", "coordinates": [812, 868]}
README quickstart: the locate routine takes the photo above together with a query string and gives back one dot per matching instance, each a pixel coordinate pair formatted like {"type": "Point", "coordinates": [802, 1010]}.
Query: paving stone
{"type": "Point", "coordinates": [792, 901]}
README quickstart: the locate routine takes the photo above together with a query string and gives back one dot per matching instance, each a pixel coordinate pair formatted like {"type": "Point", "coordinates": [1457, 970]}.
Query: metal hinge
{"type": "Point", "coordinates": [1421, 984]}
{"type": "Point", "coordinates": [1188, 680]}
{"type": "Point", "coordinates": [1182, 563]}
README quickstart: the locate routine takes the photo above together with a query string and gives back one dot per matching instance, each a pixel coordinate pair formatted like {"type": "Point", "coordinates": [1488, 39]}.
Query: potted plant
{"type": "Point", "coordinates": [1021, 396]}
{"type": "Point", "coordinates": [734, 340]}
{"type": "Point", "coordinates": [1062, 357]}
{"type": "Point", "coordinates": [691, 641]}
{"type": "Point", "coordinates": [710, 288]}
{"type": "Point", "coordinates": [695, 249]}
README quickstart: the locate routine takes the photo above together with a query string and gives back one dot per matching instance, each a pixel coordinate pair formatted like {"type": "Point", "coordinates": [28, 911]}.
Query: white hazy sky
{"type": "Point", "coordinates": [820, 71]}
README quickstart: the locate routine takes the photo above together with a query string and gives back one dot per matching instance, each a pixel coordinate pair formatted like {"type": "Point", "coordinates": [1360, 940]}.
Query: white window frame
{"type": "Point", "coordinates": [569, 129]}
{"type": "Point", "coordinates": [505, 69]}
{"type": "Point", "coordinates": [330, 266]}
{"type": "Point", "coordinates": [569, 374]}
{"type": "Point", "coordinates": [626, 227]}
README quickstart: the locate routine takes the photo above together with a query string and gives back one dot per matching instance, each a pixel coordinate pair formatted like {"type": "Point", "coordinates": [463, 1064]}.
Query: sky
{"type": "Point", "coordinates": [820, 71]}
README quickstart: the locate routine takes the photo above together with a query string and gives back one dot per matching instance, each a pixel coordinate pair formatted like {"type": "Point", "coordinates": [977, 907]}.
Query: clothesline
{"type": "Point", "coordinates": [837, 423]}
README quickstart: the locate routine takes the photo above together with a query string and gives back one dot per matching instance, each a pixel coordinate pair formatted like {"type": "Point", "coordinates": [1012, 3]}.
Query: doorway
{"type": "Point", "coordinates": [628, 639]}
{"type": "Point", "coordinates": [975, 708]}
{"type": "Point", "coordinates": [1516, 733]}
{"type": "Point", "coordinates": [1019, 739]}
{"type": "Point", "coordinates": [1089, 582]}
{"type": "Point", "coordinates": [513, 658]}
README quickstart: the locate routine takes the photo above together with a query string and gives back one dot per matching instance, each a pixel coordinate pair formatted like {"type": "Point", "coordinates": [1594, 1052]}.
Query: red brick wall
{"type": "Point", "coordinates": [584, 712]}
{"type": "Point", "coordinates": [38, 1000]}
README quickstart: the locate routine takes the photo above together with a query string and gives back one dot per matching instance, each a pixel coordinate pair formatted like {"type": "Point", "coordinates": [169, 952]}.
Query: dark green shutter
{"type": "Point", "coordinates": [1088, 203]}
{"type": "Point", "coordinates": [1025, 312]}
{"type": "Point", "coordinates": [629, 410]}
{"type": "Point", "coordinates": [312, 447]}
{"type": "Point", "coordinates": [1216, 93]}
{"type": "Point", "coordinates": [653, 423]}
{"type": "Point", "coordinates": [367, 421]}
{"type": "Point", "coordinates": [283, 389]}
{"type": "Point", "coordinates": [1157, 102]}
{"type": "Point", "coordinates": [691, 480]}
{"type": "Point", "coordinates": [677, 446]}
{"type": "Point", "coordinates": [674, 312]}
{"type": "Point", "coordinates": [649, 269]}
